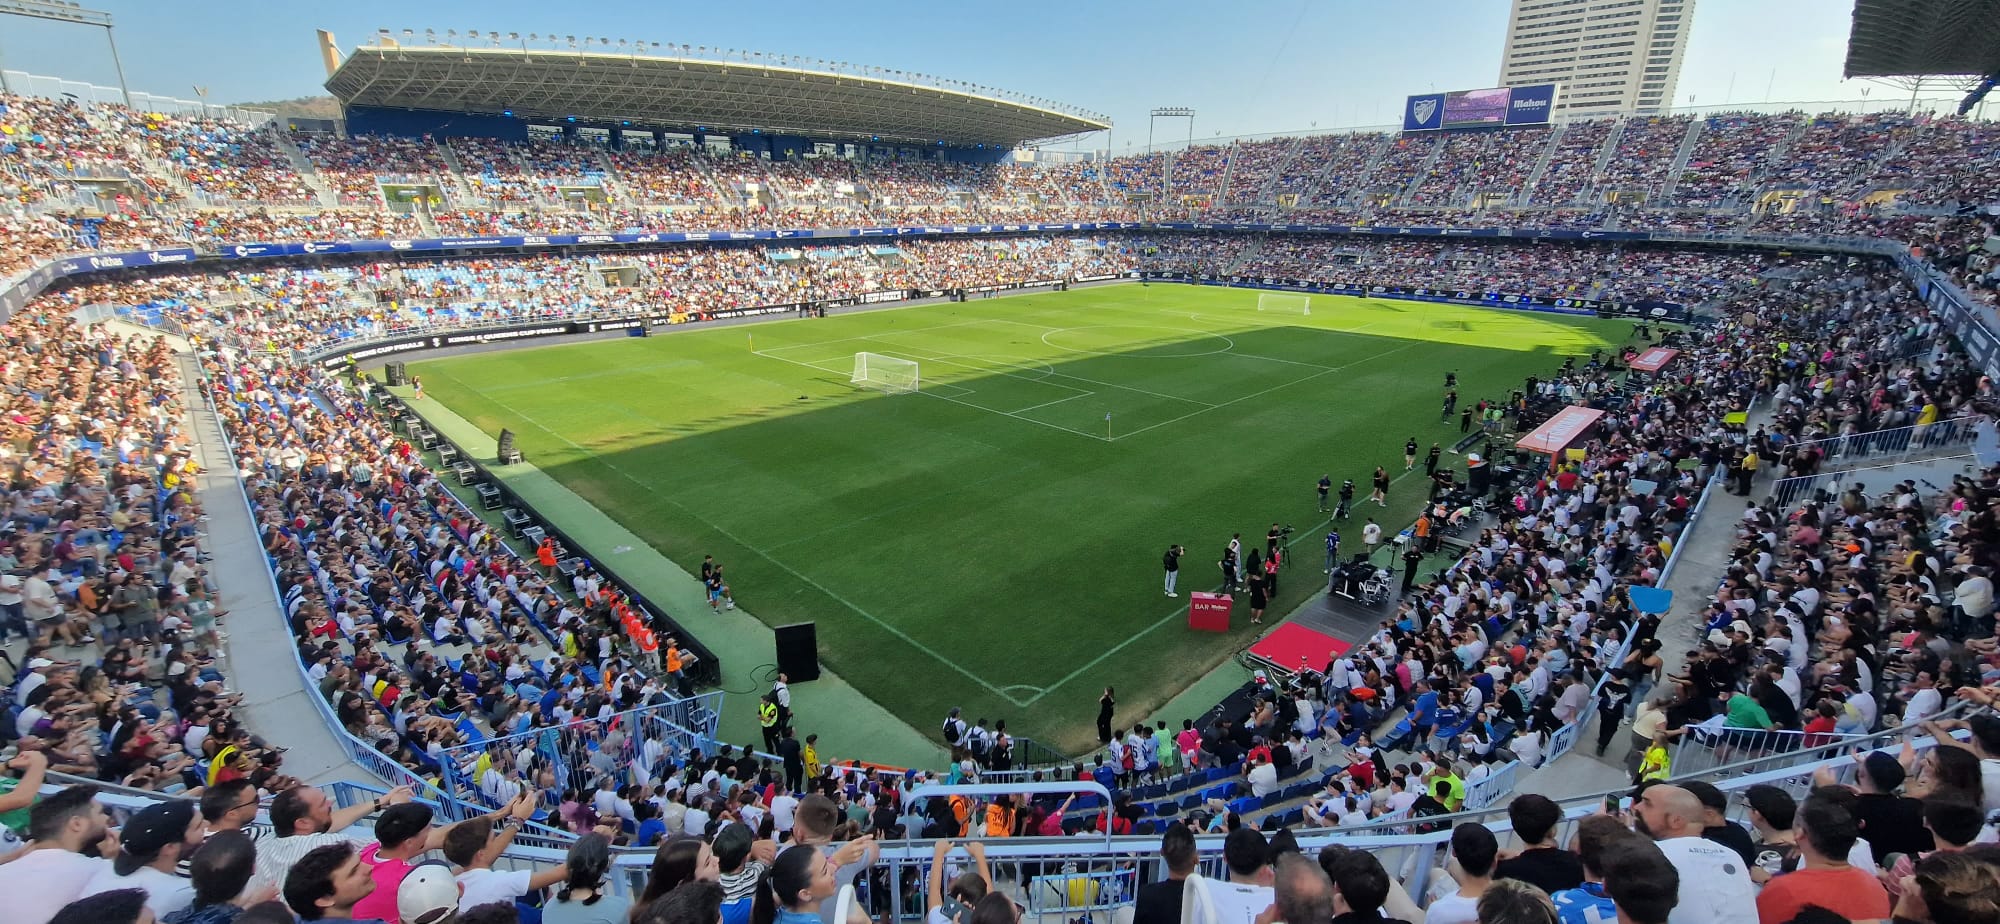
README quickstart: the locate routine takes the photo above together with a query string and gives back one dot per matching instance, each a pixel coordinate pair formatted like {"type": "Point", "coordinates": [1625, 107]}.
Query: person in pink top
{"type": "Point", "coordinates": [404, 833]}
{"type": "Point", "coordinates": [1189, 743]}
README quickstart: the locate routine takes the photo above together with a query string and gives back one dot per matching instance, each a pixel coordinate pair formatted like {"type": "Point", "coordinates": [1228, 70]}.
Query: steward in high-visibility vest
{"type": "Point", "coordinates": [1657, 764]}
{"type": "Point", "coordinates": [767, 720]}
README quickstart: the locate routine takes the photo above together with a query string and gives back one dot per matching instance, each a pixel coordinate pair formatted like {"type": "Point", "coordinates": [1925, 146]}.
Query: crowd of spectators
{"type": "Point", "coordinates": [1407, 158]}
{"type": "Point", "coordinates": [1941, 161]}
{"type": "Point", "coordinates": [1198, 172]}
{"type": "Point", "coordinates": [494, 172]}
{"type": "Point", "coordinates": [426, 634]}
{"type": "Point", "coordinates": [1329, 168]}
{"type": "Point", "coordinates": [673, 176]}
{"type": "Point", "coordinates": [1641, 162]}
{"type": "Point", "coordinates": [223, 159]}
{"type": "Point", "coordinates": [251, 191]}
{"type": "Point", "coordinates": [1731, 151]}
{"type": "Point", "coordinates": [1572, 163]}
{"type": "Point", "coordinates": [353, 165]}
{"type": "Point", "coordinates": [1482, 164]}
{"type": "Point", "coordinates": [1254, 165]}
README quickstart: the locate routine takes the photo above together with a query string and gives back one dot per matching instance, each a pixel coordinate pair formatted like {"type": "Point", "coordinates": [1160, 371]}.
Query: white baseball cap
{"type": "Point", "coordinates": [39, 663]}
{"type": "Point", "coordinates": [428, 895]}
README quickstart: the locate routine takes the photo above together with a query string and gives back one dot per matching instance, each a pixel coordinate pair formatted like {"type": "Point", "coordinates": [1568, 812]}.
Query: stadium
{"type": "Point", "coordinates": [578, 463]}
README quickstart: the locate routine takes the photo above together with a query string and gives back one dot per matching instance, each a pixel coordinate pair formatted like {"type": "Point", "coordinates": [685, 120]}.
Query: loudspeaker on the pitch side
{"type": "Point", "coordinates": [798, 652]}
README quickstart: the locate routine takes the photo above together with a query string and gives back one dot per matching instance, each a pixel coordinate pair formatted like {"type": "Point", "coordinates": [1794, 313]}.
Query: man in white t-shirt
{"type": "Point", "coordinates": [472, 847]}
{"type": "Point", "coordinates": [1721, 892]}
{"type": "Point", "coordinates": [1474, 853]}
{"type": "Point", "coordinates": [150, 847]}
{"type": "Point", "coordinates": [53, 871]}
{"type": "Point", "coordinates": [303, 819]}
{"type": "Point", "coordinates": [1242, 897]}
{"type": "Point", "coordinates": [1263, 778]}
{"type": "Point", "coordinates": [782, 808]}
{"type": "Point", "coordinates": [1924, 701]}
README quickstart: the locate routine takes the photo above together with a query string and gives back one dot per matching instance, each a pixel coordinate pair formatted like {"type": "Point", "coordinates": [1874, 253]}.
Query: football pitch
{"type": "Point", "coordinates": [993, 541]}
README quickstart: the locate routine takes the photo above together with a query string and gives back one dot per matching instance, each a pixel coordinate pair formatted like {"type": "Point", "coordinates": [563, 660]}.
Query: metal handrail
{"type": "Point", "coordinates": [928, 790]}
{"type": "Point", "coordinates": [362, 753]}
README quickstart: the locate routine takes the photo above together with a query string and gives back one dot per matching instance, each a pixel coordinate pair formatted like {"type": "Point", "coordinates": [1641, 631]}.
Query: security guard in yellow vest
{"type": "Point", "coordinates": [767, 718]}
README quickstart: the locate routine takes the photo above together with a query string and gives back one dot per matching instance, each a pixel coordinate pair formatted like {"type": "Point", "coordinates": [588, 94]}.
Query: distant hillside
{"type": "Point", "coordinates": [309, 107]}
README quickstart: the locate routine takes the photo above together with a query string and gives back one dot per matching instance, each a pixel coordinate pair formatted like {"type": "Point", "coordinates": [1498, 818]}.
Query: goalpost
{"type": "Point", "coordinates": [1279, 301]}
{"type": "Point", "coordinates": [885, 373]}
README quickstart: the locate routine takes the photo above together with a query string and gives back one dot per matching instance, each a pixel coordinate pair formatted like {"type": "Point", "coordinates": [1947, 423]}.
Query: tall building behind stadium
{"type": "Point", "coordinates": [1609, 55]}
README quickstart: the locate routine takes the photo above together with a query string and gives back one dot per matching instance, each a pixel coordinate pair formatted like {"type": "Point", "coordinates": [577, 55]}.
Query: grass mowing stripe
{"type": "Point", "coordinates": [1178, 612]}
{"type": "Point", "coordinates": [969, 404]}
{"type": "Point", "coordinates": [646, 486]}
{"type": "Point", "coordinates": [1259, 394]}
{"type": "Point", "coordinates": [1017, 553]}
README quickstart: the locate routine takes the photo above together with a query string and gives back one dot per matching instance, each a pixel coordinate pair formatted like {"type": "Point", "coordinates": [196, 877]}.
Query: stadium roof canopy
{"type": "Point", "coordinates": [723, 96]}
{"type": "Point", "coordinates": [1906, 38]}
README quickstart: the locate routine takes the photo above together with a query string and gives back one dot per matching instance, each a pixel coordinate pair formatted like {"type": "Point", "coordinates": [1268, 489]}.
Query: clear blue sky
{"type": "Point", "coordinates": [1247, 67]}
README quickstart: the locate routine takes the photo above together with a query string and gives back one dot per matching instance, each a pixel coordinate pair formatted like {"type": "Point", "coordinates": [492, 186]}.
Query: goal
{"type": "Point", "coordinates": [885, 373]}
{"type": "Point", "coordinates": [1274, 301]}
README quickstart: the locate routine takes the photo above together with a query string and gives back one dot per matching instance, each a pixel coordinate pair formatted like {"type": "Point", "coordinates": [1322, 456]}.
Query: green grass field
{"type": "Point", "coordinates": [993, 541]}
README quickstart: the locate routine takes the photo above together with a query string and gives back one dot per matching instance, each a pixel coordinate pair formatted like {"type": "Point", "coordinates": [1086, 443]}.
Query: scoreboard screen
{"type": "Point", "coordinates": [1531, 104]}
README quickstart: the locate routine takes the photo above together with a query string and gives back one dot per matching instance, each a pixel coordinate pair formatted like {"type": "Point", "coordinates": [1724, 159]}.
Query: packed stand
{"type": "Point", "coordinates": [1645, 154]}
{"type": "Point", "coordinates": [220, 228]}
{"type": "Point", "coordinates": [673, 176]}
{"type": "Point", "coordinates": [493, 172]}
{"type": "Point", "coordinates": [223, 159]}
{"type": "Point", "coordinates": [1198, 172]}
{"type": "Point", "coordinates": [1253, 165]}
{"type": "Point", "coordinates": [1407, 157]}
{"type": "Point", "coordinates": [1494, 162]}
{"type": "Point", "coordinates": [1731, 151]}
{"type": "Point", "coordinates": [1331, 167]}
{"type": "Point", "coordinates": [1838, 151]}
{"type": "Point", "coordinates": [354, 165]}
{"type": "Point", "coordinates": [1944, 161]}
{"type": "Point", "coordinates": [1572, 163]}
{"type": "Point", "coordinates": [1143, 176]}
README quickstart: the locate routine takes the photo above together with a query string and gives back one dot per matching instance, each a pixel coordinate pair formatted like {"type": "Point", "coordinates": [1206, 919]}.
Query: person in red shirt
{"type": "Point", "coordinates": [1821, 729]}
{"type": "Point", "coordinates": [1826, 832]}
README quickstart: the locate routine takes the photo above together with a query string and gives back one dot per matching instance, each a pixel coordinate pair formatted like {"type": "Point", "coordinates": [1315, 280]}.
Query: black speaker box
{"type": "Point", "coordinates": [396, 374]}
{"type": "Point", "coordinates": [798, 652]}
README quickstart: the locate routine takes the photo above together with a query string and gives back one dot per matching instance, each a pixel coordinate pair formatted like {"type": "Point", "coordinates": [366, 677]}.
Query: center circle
{"type": "Point", "coordinates": [1129, 340]}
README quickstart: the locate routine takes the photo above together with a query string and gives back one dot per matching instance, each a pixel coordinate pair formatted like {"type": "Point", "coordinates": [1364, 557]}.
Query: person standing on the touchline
{"type": "Point", "coordinates": [1172, 562]}
{"type": "Point", "coordinates": [1104, 704]}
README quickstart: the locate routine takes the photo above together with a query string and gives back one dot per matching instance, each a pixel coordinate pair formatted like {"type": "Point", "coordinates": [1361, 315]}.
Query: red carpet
{"type": "Point", "coordinates": [1283, 649]}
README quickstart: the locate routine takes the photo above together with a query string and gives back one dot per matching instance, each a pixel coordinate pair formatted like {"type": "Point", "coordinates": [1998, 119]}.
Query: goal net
{"type": "Point", "coordinates": [885, 373]}
{"type": "Point", "coordinates": [1276, 301]}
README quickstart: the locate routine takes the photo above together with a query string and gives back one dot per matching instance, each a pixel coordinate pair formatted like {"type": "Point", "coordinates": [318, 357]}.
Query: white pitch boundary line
{"type": "Point", "coordinates": [818, 343]}
{"type": "Point", "coordinates": [1054, 372]}
{"type": "Point", "coordinates": [1256, 394]}
{"type": "Point", "coordinates": [1024, 410]}
{"type": "Point", "coordinates": [1045, 379]}
{"type": "Point", "coordinates": [760, 553]}
{"type": "Point", "coordinates": [1179, 612]}
{"type": "Point", "coordinates": [1040, 423]}
{"type": "Point", "coordinates": [1137, 309]}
